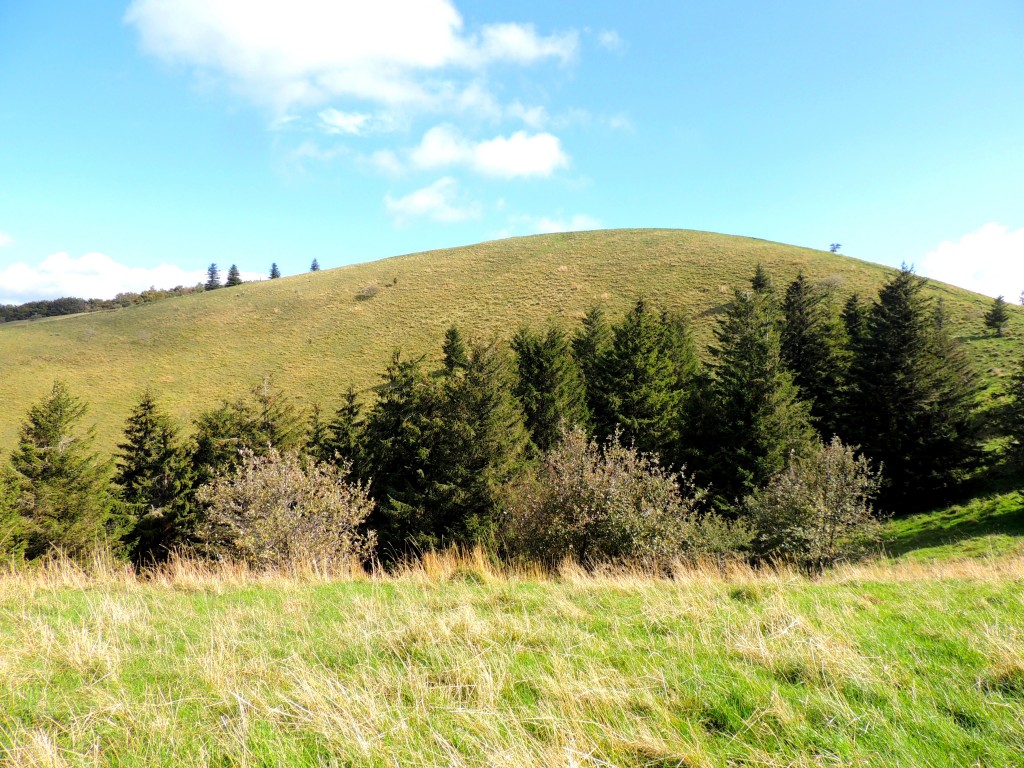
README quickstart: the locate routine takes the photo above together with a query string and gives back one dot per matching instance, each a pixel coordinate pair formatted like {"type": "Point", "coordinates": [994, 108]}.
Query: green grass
{"type": "Point", "coordinates": [876, 667]}
{"type": "Point", "coordinates": [988, 526]}
{"type": "Point", "coordinates": [315, 335]}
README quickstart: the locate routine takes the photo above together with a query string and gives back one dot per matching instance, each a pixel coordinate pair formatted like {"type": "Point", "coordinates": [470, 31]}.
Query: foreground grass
{"type": "Point", "coordinates": [452, 664]}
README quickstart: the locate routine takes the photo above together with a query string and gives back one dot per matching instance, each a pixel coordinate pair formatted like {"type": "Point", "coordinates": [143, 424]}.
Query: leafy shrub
{"type": "Point", "coordinates": [817, 511]}
{"type": "Point", "coordinates": [271, 511]}
{"type": "Point", "coordinates": [367, 292]}
{"type": "Point", "coordinates": [596, 504]}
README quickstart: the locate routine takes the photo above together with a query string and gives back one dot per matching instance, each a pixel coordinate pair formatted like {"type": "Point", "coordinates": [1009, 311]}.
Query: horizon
{"type": "Point", "coordinates": [144, 140]}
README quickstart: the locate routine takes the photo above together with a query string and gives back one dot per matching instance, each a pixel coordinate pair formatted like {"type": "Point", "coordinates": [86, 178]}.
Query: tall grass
{"type": "Point", "coordinates": [453, 660]}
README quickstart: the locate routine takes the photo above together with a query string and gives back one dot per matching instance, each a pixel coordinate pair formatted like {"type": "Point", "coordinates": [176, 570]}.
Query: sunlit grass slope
{"type": "Point", "coordinates": [881, 665]}
{"type": "Point", "coordinates": [316, 333]}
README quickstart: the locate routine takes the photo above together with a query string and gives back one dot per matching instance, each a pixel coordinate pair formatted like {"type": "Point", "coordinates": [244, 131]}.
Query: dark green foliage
{"type": "Point", "coordinates": [589, 346]}
{"type": "Point", "coordinates": [855, 321]}
{"type": "Point", "coordinates": [315, 266]}
{"type": "Point", "coordinates": [12, 538]}
{"type": "Point", "coordinates": [761, 282]}
{"type": "Point", "coordinates": [757, 418]}
{"type": "Point", "coordinates": [402, 429]}
{"type": "Point", "coordinates": [997, 316]}
{"type": "Point", "coordinates": [344, 434]}
{"type": "Point", "coordinates": [644, 376]}
{"type": "Point", "coordinates": [814, 351]}
{"type": "Point", "coordinates": [453, 351]}
{"type": "Point", "coordinates": [274, 271]}
{"type": "Point", "coordinates": [549, 385]}
{"type": "Point", "coordinates": [65, 499]}
{"type": "Point", "coordinates": [234, 276]}
{"type": "Point", "coordinates": [1014, 423]}
{"type": "Point", "coordinates": [212, 278]}
{"type": "Point", "coordinates": [154, 476]}
{"type": "Point", "coordinates": [912, 394]}
{"type": "Point", "coordinates": [266, 418]}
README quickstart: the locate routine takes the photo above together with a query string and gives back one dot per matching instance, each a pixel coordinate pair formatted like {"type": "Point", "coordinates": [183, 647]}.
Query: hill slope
{"type": "Point", "coordinates": [318, 332]}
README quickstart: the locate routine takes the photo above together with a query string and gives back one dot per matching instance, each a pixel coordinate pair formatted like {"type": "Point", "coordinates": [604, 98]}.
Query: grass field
{"type": "Point", "coordinates": [315, 334]}
{"type": "Point", "coordinates": [452, 664]}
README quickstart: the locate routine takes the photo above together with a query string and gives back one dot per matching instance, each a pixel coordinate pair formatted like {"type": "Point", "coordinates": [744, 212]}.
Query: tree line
{"type": "Point", "coordinates": [610, 442]}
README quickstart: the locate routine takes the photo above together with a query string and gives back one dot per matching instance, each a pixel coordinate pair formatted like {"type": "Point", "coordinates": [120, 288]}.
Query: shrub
{"type": "Point", "coordinates": [271, 512]}
{"type": "Point", "coordinates": [367, 292]}
{"type": "Point", "coordinates": [817, 511]}
{"type": "Point", "coordinates": [606, 503]}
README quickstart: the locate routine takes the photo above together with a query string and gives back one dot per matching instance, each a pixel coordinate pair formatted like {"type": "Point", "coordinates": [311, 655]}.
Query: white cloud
{"type": "Point", "coordinates": [439, 202]}
{"type": "Point", "coordinates": [304, 52]}
{"type": "Point", "coordinates": [5, 239]}
{"type": "Point", "coordinates": [518, 155]}
{"type": "Point", "coordinates": [336, 121]}
{"type": "Point", "coordinates": [387, 161]}
{"type": "Point", "coordinates": [92, 276]}
{"type": "Point", "coordinates": [989, 260]}
{"type": "Point", "coordinates": [611, 40]}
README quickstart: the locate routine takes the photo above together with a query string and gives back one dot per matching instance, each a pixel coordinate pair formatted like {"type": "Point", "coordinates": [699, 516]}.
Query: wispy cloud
{"type": "Point", "coordinates": [519, 155]}
{"type": "Point", "coordinates": [441, 201]}
{"type": "Point", "coordinates": [91, 276]}
{"type": "Point", "coordinates": [5, 239]}
{"type": "Point", "coordinates": [989, 260]}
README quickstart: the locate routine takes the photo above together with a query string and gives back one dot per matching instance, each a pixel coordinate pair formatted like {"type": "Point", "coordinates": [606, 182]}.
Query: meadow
{"type": "Point", "coordinates": [316, 333]}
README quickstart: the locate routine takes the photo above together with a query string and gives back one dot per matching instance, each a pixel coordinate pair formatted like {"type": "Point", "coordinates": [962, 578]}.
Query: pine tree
{"type": "Point", "coordinates": [912, 395]}
{"type": "Point", "coordinates": [758, 419]}
{"type": "Point", "coordinates": [644, 375]}
{"type": "Point", "coordinates": [12, 535]}
{"type": "Point", "coordinates": [65, 499]}
{"type": "Point", "coordinates": [589, 346]}
{"type": "Point", "coordinates": [274, 271]}
{"type": "Point", "coordinates": [153, 474]}
{"type": "Point", "coordinates": [453, 351]}
{"type": "Point", "coordinates": [315, 266]}
{"type": "Point", "coordinates": [549, 385]}
{"type": "Point", "coordinates": [344, 433]}
{"type": "Point", "coordinates": [997, 316]}
{"type": "Point", "coordinates": [814, 351]}
{"type": "Point", "coordinates": [234, 276]}
{"type": "Point", "coordinates": [212, 278]}
{"type": "Point", "coordinates": [761, 282]}
{"type": "Point", "coordinates": [1014, 419]}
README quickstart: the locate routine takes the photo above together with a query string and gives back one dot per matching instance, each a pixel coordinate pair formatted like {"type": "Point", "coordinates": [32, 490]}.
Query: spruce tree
{"type": "Point", "coordinates": [912, 395]}
{"type": "Point", "coordinates": [549, 385]}
{"type": "Point", "coordinates": [644, 374]}
{"type": "Point", "coordinates": [153, 474]}
{"type": "Point", "coordinates": [234, 276]}
{"type": "Point", "coordinates": [1014, 419]}
{"type": "Point", "coordinates": [12, 536]}
{"type": "Point", "coordinates": [997, 316]}
{"type": "Point", "coordinates": [758, 419]}
{"type": "Point", "coordinates": [589, 346]}
{"type": "Point", "coordinates": [274, 271]}
{"type": "Point", "coordinates": [761, 282]}
{"type": "Point", "coordinates": [65, 499]}
{"type": "Point", "coordinates": [212, 278]}
{"type": "Point", "coordinates": [344, 433]}
{"type": "Point", "coordinates": [814, 351]}
{"type": "Point", "coordinates": [315, 266]}
{"type": "Point", "coordinates": [453, 351]}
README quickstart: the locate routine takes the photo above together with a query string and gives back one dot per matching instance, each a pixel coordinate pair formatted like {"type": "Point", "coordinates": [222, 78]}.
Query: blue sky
{"type": "Point", "coordinates": [141, 141]}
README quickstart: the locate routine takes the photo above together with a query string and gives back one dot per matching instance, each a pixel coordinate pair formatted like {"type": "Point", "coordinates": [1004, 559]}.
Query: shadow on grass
{"type": "Point", "coordinates": [952, 528]}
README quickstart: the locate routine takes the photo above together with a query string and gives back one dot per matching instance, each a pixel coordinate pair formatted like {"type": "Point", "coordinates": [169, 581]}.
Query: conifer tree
{"type": "Point", "coordinates": [12, 536]}
{"type": "Point", "coordinates": [454, 351]}
{"type": "Point", "coordinates": [644, 375]}
{"type": "Point", "coordinates": [855, 321]}
{"type": "Point", "coordinates": [212, 278]}
{"type": "Point", "coordinates": [315, 266]}
{"type": "Point", "coordinates": [761, 282]}
{"type": "Point", "coordinates": [65, 499]}
{"type": "Point", "coordinates": [758, 419]}
{"type": "Point", "coordinates": [549, 385]}
{"type": "Point", "coordinates": [814, 351]}
{"type": "Point", "coordinates": [997, 316]}
{"type": "Point", "coordinates": [153, 474]}
{"type": "Point", "coordinates": [589, 346]}
{"type": "Point", "coordinates": [1014, 420]}
{"type": "Point", "coordinates": [344, 433]}
{"type": "Point", "coordinates": [316, 435]}
{"type": "Point", "coordinates": [912, 395]}
{"type": "Point", "coordinates": [234, 276]}
{"type": "Point", "coordinates": [274, 271]}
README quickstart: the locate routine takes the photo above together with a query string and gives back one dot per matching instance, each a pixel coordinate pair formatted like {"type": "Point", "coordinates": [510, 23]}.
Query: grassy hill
{"type": "Point", "coordinates": [316, 333]}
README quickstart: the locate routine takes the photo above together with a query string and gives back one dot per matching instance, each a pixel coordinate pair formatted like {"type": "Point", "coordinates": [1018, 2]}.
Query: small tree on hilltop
{"type": "Point", "coordinates": [454, 357]}
{"type": "Point", "coordinates": [234, 276]}
{"type": "Point", "coordinates": [274, 271]}
{"type": "Point", "coordinates": [997, 316]}
{"type": "Point", "coordinates": [315, 266]}
{"type": "Point", "coordinates": [212, 278]}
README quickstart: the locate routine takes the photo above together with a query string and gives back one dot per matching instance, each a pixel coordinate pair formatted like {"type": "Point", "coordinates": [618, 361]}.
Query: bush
{"type": "Point", "coordinates": [598, 504]}
{"type": "Point", "coordinates": [271, 512]}
{"type": "Point", "coordinates": [367, 292]}
{"type": "Point", "coordinates": [817, 511]}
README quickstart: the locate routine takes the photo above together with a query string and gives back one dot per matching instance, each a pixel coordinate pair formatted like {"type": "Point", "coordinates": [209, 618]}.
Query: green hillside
{"type": "Point", "coordinates": [318, 332]}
